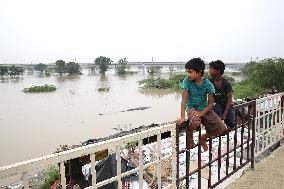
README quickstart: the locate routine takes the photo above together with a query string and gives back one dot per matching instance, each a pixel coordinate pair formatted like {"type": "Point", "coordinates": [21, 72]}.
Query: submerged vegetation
{"type": "Point", "coordinates": [103, 63]}
{"type": "Point", "coordinates": [40, 89]}
{"type": "Point", "coordinates": [71, 68]}
{"type": "Point", "coordinates": [262, 77]}
{"type": "Point", "coordinates": [106, 89]}
{"type": "Point", "coordinates": [156, 83]}
{"type": "Point", "coordinates": [121, 68]}
{"type": "Point", "coordinates": [11, 71]}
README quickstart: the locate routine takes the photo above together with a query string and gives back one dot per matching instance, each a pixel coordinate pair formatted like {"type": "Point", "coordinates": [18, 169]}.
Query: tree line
{"type": "Point", "coordinates": [11, 71]}
{"type": "Point", "coordinates": [61, 67]}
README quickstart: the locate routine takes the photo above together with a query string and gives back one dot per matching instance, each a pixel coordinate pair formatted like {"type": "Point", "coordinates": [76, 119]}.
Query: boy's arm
{"type": "Point", "coordinates": [210, 105]}
{"type": "Point", "coordinates": [182, 107]}
{"type": "Point", "coordinates": [229, 97]}
{"type": "Point", "coordinates": [228, 105]}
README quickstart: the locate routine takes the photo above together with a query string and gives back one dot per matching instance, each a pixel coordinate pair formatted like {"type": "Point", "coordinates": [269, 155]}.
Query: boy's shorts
{"type": "Point", "coordinates": [210, 120]}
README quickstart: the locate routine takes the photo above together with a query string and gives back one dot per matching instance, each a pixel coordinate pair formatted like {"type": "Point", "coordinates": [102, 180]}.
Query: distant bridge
{"type": "Point", "coordinates": [85, 64]}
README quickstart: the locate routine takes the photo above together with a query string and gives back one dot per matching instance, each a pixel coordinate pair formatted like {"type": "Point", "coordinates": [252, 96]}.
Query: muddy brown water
{"type": "Point", "coordinates": [33, 125]}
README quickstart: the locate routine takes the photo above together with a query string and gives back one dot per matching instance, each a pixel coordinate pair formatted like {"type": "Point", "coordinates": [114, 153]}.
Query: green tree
{"type": "Point", "coordinates": [15, 70]}
{"type": "Point", "coordinates": [121, 66]}
{"type": "Point", "coordinates": [60, 67]}
{"type": "Point", "coordinates": [73, 68]}
{"type": "Point", "coordinates": [246, 88]}
{"type": "Point", "coordinates": [268, 73]}
{"type": "Point", "coordinates": [3, 70]}
{"type": "Point", "coordinates": [249, 67]}
{"type": "Point", "coordinates": [103, 63]}
{"type": "Point", "coordinates": [40, 67]}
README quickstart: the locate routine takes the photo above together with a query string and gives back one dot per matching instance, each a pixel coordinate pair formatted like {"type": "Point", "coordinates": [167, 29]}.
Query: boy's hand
{"type": "Point", "coordinates": [197, 113]}
{"type": "Point", "coordinates": [180, 120]}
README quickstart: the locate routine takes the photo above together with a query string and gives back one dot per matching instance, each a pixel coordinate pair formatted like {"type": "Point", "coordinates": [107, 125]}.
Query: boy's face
{"type": "Point", "coordinates": [213, 72]}
{"type": "Point", "coordinates": [192, 74]}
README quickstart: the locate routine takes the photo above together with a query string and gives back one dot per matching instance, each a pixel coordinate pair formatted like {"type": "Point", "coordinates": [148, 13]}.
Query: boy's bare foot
{"type": "Point", "coordinates": [204, 146]}
{"type": "Point", "coordinates": [203, 143]}
{"type": "Point", "coordinates": [191, 144]}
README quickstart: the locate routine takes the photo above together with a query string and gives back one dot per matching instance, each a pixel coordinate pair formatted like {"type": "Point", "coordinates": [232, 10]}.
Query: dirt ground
{"type": "Point", "coordinates": [268, 174]}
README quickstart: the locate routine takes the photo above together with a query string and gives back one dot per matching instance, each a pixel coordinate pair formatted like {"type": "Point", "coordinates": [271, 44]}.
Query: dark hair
{"type": "Point", "coordinates": [197, 64]}
{"type": "Point", "coordinates": [218, 65]}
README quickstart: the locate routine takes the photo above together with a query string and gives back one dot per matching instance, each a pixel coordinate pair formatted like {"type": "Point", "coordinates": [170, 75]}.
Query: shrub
{"type": "Point", "coordinates": [121, 66]}
{"type": "Point", "coordinates": [49, 177]}
{"type": "Point", "coordinates": [246, 89]}
{"type": "Point", "coordinates": [267, 73]}
{"type": "Point", "coordinates": [40, 89]}
{"type": "Point", "coordinates": [103, 89]}
{"type": "Point", "coordinates": [157, 83]}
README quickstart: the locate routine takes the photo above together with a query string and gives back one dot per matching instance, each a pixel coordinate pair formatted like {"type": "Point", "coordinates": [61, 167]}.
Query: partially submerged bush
{"type": "Point", "coordinates": [40, 89]}
{"type": "Point", "coordinates": [172, 82]}
{"type": "Point", "coordinates": [156, 83]}
{"type": "Point", "coordinates": [103, 89]}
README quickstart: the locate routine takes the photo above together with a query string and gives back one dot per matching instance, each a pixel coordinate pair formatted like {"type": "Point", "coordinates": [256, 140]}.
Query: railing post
{"type": "Point", "coordinates": [118, 170]}
{"type": "Point", "coordinates": [93, 170]}
{"type": "Point", "coordinates": [159, 161]}
{"type": "Point", "coordinates": [174, 160]}
{"type": "Point", "coordinates": [253, 136]}
{"type": "Point", "coordinates": [177, 154]}
{"type": "Point", "coordinates": [62, 175]}
{"type": "Point", "coordinates": [199, 158]}
{"type": "Point", "coordinates": [187, 157]}
{"type": "Point", "coordinates": [140, 164]}
{"type": "Point", "coordinates": [25, 179]}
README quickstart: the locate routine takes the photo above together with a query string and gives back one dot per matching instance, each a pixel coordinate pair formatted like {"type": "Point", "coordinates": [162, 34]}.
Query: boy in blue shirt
{"type": "Point", "coordinates": [223, 93]}
{"type": "Point", "coordinates": [197, 101]}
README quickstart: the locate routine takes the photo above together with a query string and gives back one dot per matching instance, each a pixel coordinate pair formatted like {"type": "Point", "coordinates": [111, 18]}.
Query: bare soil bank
{"type": "Point", "coordinates": [268, 173]}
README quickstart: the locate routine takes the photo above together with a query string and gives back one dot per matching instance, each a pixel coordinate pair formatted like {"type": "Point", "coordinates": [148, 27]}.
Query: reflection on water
{"type": "Point", "coordinates": [63, 78]}
{"type": "Point", "coordinates": [11, 80]}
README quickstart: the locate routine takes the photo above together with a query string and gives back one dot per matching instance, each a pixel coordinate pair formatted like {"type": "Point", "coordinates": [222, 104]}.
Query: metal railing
{"type": "Point", "coordinates": [232, 150]}
{"type": "Point", "coordinates": [113, 145]}
{"type": "Point", "coordinates": [269, 121]}
{"type": "Point", "coordinates": [259, 125]}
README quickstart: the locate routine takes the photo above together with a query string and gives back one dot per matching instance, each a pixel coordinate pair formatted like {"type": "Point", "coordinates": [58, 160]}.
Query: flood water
{"type": "Point", "coordinates": [33, 125]}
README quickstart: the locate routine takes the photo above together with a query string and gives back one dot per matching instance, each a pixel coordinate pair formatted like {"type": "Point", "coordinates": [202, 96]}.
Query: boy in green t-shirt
{"type": "Point", "coordinates": [197, 101]}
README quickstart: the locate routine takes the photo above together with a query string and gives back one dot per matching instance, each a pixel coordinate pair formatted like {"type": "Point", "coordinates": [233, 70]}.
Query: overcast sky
{"type": "Point", "coordinates": [33, 31]}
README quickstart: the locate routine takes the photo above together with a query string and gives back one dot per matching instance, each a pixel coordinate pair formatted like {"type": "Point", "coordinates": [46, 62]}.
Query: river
{"type": "Point", "coordinates": [33, 125]}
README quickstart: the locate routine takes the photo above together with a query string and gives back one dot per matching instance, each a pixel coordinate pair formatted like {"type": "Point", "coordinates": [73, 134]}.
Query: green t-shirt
{"type": "Point", "coordinates": [197, 95]}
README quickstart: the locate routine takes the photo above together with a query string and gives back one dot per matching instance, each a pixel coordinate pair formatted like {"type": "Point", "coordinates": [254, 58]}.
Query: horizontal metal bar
{"type": "Point", "coordinates": [230, 174]}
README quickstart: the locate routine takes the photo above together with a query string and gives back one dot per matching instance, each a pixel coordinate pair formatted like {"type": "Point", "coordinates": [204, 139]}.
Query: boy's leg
{"type": "Point", "coordinates": [204, 138]}
{"type": "Point", "coordinates": [230, 120]}
{"type": "Point", "coordinates": [218, 109]}
{"type": "Point", "coordinates": [194, 123]}
{"type": "Point", "coordinates": [214, 126]}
